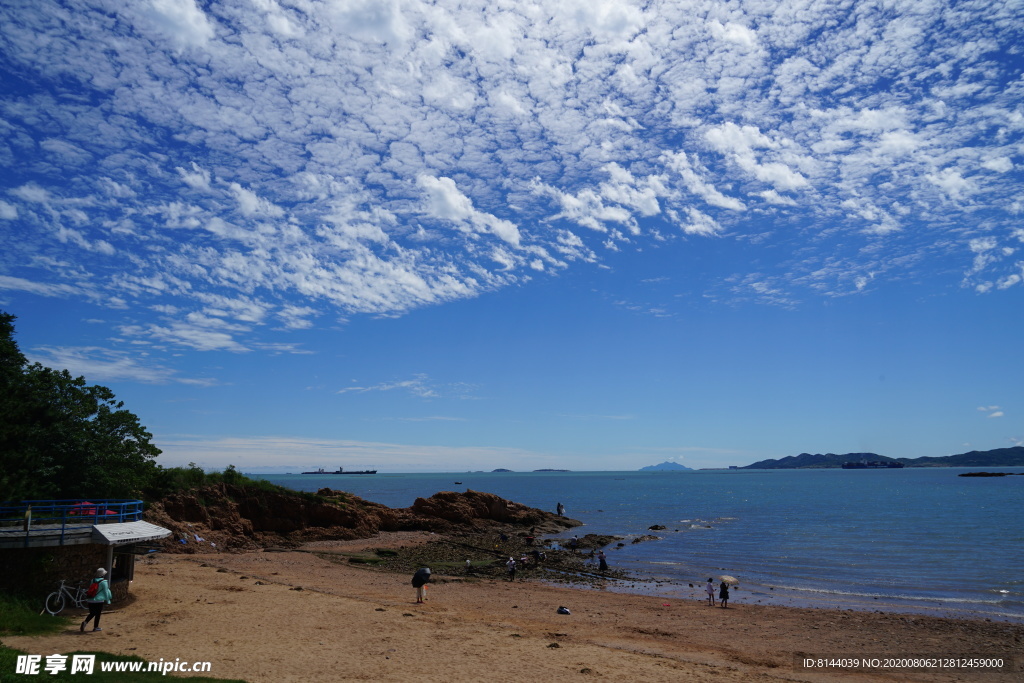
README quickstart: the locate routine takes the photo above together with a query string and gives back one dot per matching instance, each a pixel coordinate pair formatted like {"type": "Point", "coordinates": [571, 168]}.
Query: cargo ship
{"type": "Point", "coordinates": [341, 470]}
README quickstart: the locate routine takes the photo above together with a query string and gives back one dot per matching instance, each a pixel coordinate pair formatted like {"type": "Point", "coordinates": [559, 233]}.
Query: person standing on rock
{"type": "Point", "coordinates": [603, 559]}
{"type": "Point", "coordinates": [560, 509]}
{"type": "Point", "coordinates": [419, 582]}
{"type": "Point", "coordinates": [101, 596]}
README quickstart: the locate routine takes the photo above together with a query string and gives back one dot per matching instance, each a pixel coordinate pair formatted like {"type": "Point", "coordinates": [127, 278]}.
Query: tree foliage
{"type": "Point", "coordinates": [63, 438]}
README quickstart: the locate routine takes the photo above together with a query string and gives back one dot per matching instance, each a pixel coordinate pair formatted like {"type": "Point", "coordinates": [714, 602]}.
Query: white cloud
{"type": "Point", "coordinates": [418, 386]}
{"type": "Point", "coordinates": [374, 157]}
{"type": "Point", "coordinates": [197, 332]}
{"type": "Point", "coordinates": [197, 178]}
{"type": "Point", "coordinates": [378, 21]}
{"type": "Point", "coordinates": [106, 365]}
{"type": "Point", "coordinates": [587, 208]}
{"type": "Point", "coordinates": [741, 141]}
{"type": "Point", "coordinates": [733, 33]}
{"type": "Point", "coordinates": [180, 21]}
{"type": "Point", "coordinates": [699, 223]}
{"type": "Point", "coordinates": [68, 153]}
{"type": "Point", "coordinates": [447, 202]}
{"type": "Point", "coordinates": [250, 204]}
{"type": "Point", "coordinates": [297, 317]}
{"type": "Point", "coordinates": [998, 164]}
{"type": "Point", "coordinates": [692, 180]}
{"type": "Point", "coordinates": [993, 411]}
{"type": "Point", "coordinates": [773, 197]}
{"type": "Point", "coordinates": [40, 288]}
{"type": "Point", "coordinates": [952, 183]}
{"type": "Point", "coordinates": [32, 193]}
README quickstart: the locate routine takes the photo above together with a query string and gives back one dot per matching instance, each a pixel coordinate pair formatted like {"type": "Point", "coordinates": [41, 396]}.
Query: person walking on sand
{"type": "Point", "coordinates": [419, 582]}
{"type": "Point", "coordinates": [101, 596]}
{"type": "Point", "coordinates": [511, 567]}
{"type": "Point", "coordinates": [710, 590]}
{"type": "Point", "coordinates": [723, 594]}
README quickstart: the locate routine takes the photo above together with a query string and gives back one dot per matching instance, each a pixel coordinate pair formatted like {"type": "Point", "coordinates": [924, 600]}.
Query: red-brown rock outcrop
{"type": "Point", "coordinates": [229, 517]}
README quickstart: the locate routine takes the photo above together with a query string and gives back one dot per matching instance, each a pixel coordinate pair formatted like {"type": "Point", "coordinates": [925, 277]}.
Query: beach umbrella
{"type": "Point", "coordinates": [728, 579]}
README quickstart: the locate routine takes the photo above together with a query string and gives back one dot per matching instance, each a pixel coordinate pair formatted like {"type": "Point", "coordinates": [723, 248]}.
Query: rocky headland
{"type": "Point", "coordinates": [481, 529]}
{"type": "Point", "coordinates": [226, 517]}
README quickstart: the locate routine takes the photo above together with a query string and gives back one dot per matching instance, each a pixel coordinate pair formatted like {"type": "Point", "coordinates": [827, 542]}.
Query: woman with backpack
{"type": "Point", "coordinates": [97, 595]}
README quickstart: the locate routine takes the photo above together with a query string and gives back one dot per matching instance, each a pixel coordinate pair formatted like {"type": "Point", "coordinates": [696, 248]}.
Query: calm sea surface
{"type": "Point", "coordinates": [922, 540]}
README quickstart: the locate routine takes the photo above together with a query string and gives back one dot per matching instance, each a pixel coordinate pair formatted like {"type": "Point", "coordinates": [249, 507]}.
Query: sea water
{"type": "Point", "coordinates": [913, 539]}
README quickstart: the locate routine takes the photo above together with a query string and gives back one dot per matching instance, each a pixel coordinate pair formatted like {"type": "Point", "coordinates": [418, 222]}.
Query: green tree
{"type": "Point", "coordinates": [63, 438]}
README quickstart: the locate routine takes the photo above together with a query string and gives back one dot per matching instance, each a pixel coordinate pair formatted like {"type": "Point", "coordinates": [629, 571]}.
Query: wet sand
{"type": "Point", "coordinates": [304, 616]}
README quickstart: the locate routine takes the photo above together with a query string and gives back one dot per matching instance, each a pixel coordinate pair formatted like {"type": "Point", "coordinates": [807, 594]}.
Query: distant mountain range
{"type": "Point", "coordinates": [999, 457]}
{"type": "Point", "coordinates": [665, 467]}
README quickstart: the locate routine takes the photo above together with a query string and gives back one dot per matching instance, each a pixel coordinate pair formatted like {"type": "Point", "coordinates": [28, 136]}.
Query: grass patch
{"type": "Point", "coordinates": [9, 660]}
{"type": "Point", "coordinates": [19, 616]}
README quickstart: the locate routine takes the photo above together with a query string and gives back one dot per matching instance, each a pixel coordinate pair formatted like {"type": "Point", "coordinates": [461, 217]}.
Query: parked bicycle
{"type": "Point", "coordinates": [58, 599]}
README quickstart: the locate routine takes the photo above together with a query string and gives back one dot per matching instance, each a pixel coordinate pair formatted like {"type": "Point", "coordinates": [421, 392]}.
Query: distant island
{"type": "Point", "coordinates": [999, 457]}
{"type": "Point", "coordinates": [502, 469]}
{"type": "Point", "coordinates": [666, 467]}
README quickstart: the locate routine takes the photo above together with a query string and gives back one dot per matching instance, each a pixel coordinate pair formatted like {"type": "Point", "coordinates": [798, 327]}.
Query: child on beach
{"type": "Point", "coordinates": [723, 594]}
{"type": "Point", "coordinates": [419, 582]}
{"type": "Point", "coordinates": [710, 590]}
{"type": "Point", "coordinates": [511, 566]}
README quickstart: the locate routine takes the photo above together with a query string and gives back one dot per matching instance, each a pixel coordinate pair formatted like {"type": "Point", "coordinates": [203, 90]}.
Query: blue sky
{"type": "Point", "coordinates": [583, 235]}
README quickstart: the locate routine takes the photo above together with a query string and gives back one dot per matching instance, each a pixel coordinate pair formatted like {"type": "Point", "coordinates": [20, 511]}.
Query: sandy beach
{"type": "Point", "coordinates": [305, 616]}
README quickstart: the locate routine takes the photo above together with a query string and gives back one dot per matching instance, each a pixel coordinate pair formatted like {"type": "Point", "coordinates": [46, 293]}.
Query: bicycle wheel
{"type": "Point", "coordinates": [55, 602]}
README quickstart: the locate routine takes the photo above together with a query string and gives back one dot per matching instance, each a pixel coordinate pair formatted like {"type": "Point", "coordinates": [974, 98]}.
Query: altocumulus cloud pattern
{"type": "Point", "coordinates": [246, 162]}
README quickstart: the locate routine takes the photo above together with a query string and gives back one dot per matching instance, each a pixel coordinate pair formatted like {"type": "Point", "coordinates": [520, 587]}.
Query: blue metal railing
{"type": "Point", "coordinates": [64, 515]}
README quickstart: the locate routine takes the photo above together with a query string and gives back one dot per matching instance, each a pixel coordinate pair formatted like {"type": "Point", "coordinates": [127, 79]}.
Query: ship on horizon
{"type": "Point", "coordinates": [341, 470]}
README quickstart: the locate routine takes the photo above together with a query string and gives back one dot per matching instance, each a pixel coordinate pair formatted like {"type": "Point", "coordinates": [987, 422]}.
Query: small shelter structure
{"type": "Point", "coordinates": [43, 542]}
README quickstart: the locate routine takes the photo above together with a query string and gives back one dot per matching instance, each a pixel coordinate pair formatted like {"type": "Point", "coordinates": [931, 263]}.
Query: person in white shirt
{"type": "Point", "coordinates": [710, 588]}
